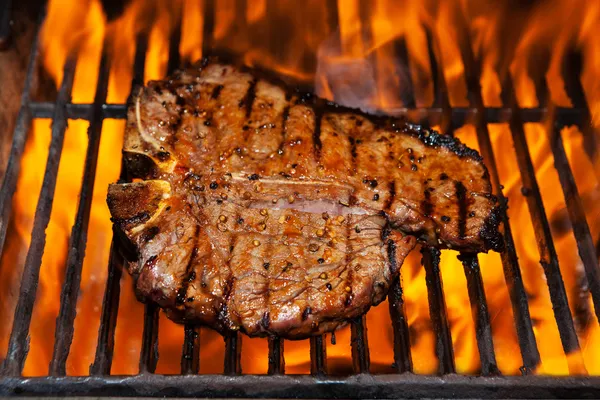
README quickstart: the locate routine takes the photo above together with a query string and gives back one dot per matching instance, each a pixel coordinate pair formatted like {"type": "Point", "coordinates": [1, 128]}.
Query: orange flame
{"type": "Point", "coordinates": [354, 61]}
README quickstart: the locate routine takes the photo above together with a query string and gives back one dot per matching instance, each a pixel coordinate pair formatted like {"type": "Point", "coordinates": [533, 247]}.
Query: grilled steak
{"type": "Point", "coordinates": [260, 208]}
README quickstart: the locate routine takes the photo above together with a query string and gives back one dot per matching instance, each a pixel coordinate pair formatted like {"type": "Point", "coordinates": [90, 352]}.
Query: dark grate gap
{"type": "Point", "coordinates": [77, 242]}
{"type": "Point", "coordinates": [18, 345]}
{"type": "Point", "coordinates": [437, 310]}
{"type": "Point", "coordinates": [481, 316]}
{"type": "Point", "coordinates": [276, 359]}
{"type": "Point", "coordinates": [512, 272]}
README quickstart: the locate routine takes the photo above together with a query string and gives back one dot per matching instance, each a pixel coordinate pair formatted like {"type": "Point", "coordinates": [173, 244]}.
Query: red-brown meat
{"type": "Point", "coordinates": [274, 212]}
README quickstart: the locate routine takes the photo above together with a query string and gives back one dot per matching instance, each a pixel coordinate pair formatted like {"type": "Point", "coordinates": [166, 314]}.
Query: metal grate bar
{"type": "Point", "coordinates": [318, 356]}
{"type": "Point", "coordinates": [18, 345]}
{"type": "Point", "coordinates": [306, 386]}
{"type": "Point", "coordinates": [402, 356]}
{"type": "Point", "coordinates": [110, 309]}
{"type": "Point", "coordinates": [548, 256]}
{"type": "Point", "coordinates": [208, 26]}
{"type": "Point", "coordinates": [431, 260]}
{"type": "Point", "coordinates": [512, 273]}
{"type": "Point", "coordinates": [408, 91]}
{"type": "Point", "coordinates": [22, 125]}
{"type": "Point", "coordinates": [190, 354]}
{"type": "Point", "coordinates": [458, 115]}
{"type": "Point", "coordinates": [440, 89]}
{"type": "Point", "coordinates": [77, 243]}
{"type": "Point", "coordinates": [174, 41]}
{"type": "Point", "coordinates": [360, 346]}
{"type": "Point", "coordinates": [149, 351]}
{"type": "Point", "coordinates": [233, 354]}
{"type": "Point", "coordinates": [481, 316]}
{"type": "Point", "coordinates": [572, 68]}
{"type": "Point", "coordinates": [437, 310]}
{"type": "Point", "coordinates": [581, 229]}
{"type": "Point", "coordinates": [110, 304]}
{"type": "Point", "coordinates": [276, 359]}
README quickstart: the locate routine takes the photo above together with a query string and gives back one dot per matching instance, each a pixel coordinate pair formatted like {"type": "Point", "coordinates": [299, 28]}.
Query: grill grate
{"type": "Point", "coordinates": [318, 384]}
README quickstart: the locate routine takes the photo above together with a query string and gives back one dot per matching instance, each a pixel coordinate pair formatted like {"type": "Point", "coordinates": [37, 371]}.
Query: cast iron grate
{"type": "Point", "coordinates": [276, 384]}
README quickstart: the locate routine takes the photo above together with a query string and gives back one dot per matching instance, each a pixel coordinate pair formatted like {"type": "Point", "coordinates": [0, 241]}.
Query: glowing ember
{"type": "Point", "coordinates": [351, 56]}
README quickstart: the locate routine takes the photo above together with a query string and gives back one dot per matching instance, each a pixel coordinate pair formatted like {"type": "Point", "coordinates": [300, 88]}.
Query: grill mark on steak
{"type": "Point", "coordinates": [229, 280]}
{"type": "Point", "coordinates": [284, 118]}
{"type": "Point", "coordinates": [216, 92]}
{"type": "Point", "coordinates": [189, 271]}
{"type": "Point", "coordinates": [392, 195]}
{"type": "Point", "coordinates": [266, 320]}
{"type": "Point", "coordinates": [391, 251]}
{"type": "Point", "coordinates": [323, 172]}
{"type": "Point", "coordinates": [352, 153]}
{"type": "Point", "coordinates": [317, 133]}
{"type": "Point", "coordinates": [426, 204]}
{"type": "Point", "coordinates": [267, 256]}
{"type": "Point", "coordinates": [248, 100]}
{"type": "Point", "coordinates": [461, 195]}
{"type": "Point", "coordinates": [348, 282]}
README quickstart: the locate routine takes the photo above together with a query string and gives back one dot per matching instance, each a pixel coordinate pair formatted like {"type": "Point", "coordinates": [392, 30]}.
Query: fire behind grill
{"type": "Point", "coordinates": [276, 384]}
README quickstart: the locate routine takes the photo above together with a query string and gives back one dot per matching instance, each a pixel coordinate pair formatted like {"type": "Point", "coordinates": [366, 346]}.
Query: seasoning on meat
{"type": "Point", "coordinates": [312, 206]}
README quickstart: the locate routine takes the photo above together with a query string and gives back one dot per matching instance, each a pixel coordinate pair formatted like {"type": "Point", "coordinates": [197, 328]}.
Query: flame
{"type": "Point", "coordinates": [350, 56]}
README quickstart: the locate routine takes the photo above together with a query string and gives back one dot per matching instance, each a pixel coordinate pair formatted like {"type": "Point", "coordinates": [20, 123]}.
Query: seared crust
{"type": "Point", "coordinates": [275, 212]}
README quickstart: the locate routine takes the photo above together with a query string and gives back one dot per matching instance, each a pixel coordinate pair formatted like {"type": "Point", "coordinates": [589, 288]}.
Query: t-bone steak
{"type": "Point", "coordinates": [253, 206]}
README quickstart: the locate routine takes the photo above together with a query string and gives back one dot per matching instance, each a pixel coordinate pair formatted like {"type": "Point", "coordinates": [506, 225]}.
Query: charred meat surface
{"type": "Point", "coordinates": [260, 208]}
